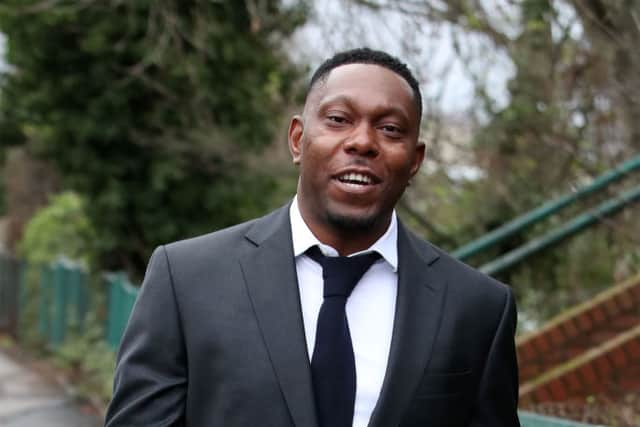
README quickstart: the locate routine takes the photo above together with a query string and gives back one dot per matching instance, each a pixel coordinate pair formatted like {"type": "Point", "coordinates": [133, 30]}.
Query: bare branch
{"type": "Point", "coordinates": [440, 235]}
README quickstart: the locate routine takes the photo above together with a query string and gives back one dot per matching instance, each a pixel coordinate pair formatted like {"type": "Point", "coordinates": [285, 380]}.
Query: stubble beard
{"type": "Point", "coordinates": [351, 224]}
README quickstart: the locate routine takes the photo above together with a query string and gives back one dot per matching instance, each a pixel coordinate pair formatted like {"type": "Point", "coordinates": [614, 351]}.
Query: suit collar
{"type": "Point", "coordinates": [272, 226]}
{"type": "Point", "coordinates": [272, 285]}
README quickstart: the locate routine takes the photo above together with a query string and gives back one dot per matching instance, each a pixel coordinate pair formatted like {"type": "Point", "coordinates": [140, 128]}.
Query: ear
{"type": "Point", "coordinates": [296, 131]}
{"type": "Point", "coordinates": [419, 157]}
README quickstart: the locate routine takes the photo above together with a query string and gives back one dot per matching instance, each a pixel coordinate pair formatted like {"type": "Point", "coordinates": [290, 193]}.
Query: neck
{"type": "Point", "coordinates": [343, 238]}
{"type": "Point", "coordinates": [349, 245]}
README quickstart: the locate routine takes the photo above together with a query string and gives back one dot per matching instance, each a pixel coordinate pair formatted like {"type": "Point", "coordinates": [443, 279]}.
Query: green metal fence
{"type": "Point", "coordinates": [122, 296]}
{"type": "Point", "coordinates": [64, 300]}
{"type": "Point", "coordinates": [10, 276]}
{"type": "Point", "coordinates": [529, 419]}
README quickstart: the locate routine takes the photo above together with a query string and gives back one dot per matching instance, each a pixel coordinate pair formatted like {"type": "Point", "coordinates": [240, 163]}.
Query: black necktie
{"type": "Point", "coordinates": [333, 364]}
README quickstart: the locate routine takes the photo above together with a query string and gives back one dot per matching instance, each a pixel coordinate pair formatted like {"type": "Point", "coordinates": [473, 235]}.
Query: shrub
{"type": "Point", "coordinates": [60, 229]}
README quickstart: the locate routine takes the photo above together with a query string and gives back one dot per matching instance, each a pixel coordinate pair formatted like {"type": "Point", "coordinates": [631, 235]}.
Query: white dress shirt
{"type": "Point", "coordinates": [370, 308]}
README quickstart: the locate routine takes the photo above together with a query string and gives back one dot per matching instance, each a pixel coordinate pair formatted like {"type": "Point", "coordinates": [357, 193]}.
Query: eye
{"type": "Point", "coordinates": [392, 130]}
{"type": "Point", "coordinates": [336, 119]}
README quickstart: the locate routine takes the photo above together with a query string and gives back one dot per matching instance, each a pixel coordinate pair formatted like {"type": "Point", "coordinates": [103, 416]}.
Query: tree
{"type": "Point", "coordinates": [572, 112]}
{"type": "Point", "coordinates": [149, 109]}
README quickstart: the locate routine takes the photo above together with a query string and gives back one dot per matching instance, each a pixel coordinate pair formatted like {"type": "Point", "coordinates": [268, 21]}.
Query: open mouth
{"type": "Point", "coordinates": [357, 180]}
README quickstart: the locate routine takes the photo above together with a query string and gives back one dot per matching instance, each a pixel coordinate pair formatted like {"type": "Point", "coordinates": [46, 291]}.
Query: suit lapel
{"type": "Point", "coordinates": [270, 276]}
{"type": "Point", "coordinates": [419, 304]}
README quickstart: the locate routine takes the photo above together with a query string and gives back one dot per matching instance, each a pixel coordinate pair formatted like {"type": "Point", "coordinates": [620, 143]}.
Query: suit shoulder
{"type": "Point", "coordinates": [459, 274]}
{"type": "Point", "coordinates": [218, 238]}
{"type": "Point", "coordinates": [226, 244]}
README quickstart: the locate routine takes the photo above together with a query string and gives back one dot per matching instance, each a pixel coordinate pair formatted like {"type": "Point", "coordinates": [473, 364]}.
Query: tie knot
{"type": "Point", "coordinates": [341, 273]}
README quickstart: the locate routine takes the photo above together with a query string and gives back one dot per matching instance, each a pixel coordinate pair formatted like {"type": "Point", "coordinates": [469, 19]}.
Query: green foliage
{"type": "Point", "coordinates": [87, 355]}
{"type": "Point", "coordinates": [149, 109]}
{"type": "Point", "coordinates": [60, 229]}
{"type": "Point", "coordinates": [63, 229]}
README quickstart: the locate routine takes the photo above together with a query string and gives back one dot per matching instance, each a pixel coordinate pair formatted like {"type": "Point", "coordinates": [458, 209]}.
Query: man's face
{"type": "Point", "coordinates": [357, 147]}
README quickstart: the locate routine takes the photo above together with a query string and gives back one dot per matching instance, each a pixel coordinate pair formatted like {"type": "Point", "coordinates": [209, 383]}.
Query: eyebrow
{"type": "Point", "coordinates": [383, 110]}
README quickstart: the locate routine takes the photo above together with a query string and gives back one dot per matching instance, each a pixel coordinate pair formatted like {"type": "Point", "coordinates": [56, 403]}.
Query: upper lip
{"type": "Point", "coordinates": [375, 179]}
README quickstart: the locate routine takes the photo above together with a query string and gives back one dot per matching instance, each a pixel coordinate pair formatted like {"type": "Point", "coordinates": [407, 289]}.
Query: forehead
{"type": "Point", "coordinates": [366, 83]}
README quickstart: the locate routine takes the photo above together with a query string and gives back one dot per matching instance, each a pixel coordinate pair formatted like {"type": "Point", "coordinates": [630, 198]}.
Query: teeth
{"type": "Point", "coordinates": [356, 178]}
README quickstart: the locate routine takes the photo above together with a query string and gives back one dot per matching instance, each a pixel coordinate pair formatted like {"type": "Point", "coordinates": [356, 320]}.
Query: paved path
{"type": "Point", "coordinates": [27, 399]}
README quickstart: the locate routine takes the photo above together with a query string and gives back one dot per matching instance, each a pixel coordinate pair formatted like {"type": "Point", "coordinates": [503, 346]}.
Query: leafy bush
{"type": "Point", "coordinates": [90, 361]}
{"type": "Point", "coordinates": [61, 229]}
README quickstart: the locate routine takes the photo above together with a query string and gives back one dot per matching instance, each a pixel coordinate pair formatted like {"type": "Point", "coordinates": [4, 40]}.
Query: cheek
{"type": "Point", "coordinates": [401, 163]}
{"type": "Point", "coordinates": [313, 168]}
{"type": "Point", "coordinates": [317, 155]}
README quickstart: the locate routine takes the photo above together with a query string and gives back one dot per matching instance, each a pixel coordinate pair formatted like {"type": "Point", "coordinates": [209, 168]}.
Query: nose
{"type": "Point", "coordinates": [363, 141]}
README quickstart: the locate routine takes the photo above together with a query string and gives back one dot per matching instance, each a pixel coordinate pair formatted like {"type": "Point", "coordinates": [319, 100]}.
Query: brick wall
{"type": "Point", "coordinates": [591, 348]}
{"type": "Point", "coordinates": [612, 369]}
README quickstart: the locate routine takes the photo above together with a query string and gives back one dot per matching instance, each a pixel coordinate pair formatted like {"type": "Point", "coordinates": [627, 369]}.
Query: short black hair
{"type": "Point", "coordinates": [364, 55]}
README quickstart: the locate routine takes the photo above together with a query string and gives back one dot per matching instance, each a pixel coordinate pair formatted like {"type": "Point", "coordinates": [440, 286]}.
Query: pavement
{"type": "Point", "coordinates": [29, 399]}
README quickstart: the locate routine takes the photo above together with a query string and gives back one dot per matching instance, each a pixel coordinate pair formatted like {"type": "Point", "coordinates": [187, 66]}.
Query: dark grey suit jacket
{"type": "Point", "coordinates": [216, 339]}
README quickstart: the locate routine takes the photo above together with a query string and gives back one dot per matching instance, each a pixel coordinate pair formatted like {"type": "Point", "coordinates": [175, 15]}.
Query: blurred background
{"type": "Point", "coordinates": [129, 124]}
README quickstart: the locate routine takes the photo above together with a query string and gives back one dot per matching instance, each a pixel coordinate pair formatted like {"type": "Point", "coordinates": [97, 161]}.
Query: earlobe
{"type": "Point", "coordinates": [296, 131]}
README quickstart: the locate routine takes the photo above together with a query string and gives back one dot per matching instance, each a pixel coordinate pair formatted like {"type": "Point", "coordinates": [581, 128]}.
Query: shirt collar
{"type": "Point", "coordinates": [303, 238]}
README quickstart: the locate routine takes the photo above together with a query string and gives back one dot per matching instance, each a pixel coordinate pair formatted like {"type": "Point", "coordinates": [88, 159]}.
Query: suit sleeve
{"type": "Point", "coordinates": [497, 400]}
{"type": "Point", "coordinates": [151, 374]}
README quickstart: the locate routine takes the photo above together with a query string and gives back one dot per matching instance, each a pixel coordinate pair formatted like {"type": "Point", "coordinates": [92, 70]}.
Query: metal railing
{"type": "Point", "coordinates": [529, 419]}
{"type": "Point", "coordinates": [545, 210]}
{"type": "Point", "coordinates": [571, 227]}
{"type": "Point", "coordinates": [557, 234]}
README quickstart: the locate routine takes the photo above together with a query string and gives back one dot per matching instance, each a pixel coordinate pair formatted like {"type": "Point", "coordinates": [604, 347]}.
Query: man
{"type": "Point", "coordinates": [228, 329]}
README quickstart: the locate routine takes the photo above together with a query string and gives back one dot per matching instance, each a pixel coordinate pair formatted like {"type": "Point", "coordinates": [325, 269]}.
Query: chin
{"type": "Point", "coordinates": [352, 222]}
